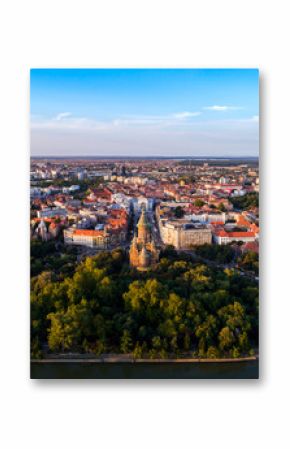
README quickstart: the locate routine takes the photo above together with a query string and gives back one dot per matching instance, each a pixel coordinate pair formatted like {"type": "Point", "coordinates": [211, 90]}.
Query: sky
{"type": "Point", "coordinates": [144, 112]}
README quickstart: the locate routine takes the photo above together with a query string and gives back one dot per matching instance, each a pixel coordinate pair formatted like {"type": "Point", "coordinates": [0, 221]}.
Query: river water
{"type": "Point", "coordinates": [89, 370]}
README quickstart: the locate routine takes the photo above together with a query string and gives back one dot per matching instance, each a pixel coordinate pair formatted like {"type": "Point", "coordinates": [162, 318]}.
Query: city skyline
{"type": "Point", "coordinates": [136, 260]}
{"type": "Point", "coordinates": [144, 112]}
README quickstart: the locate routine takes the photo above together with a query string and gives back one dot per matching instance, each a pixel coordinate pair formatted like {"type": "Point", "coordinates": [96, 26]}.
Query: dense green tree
{"type": "Point", "coordinates": [126, 342]}
{"type": "Point", "coordinates": [246, 201]}
{"type": "Point", "coordinates": [206, 332]}
{"type": "Point", "coordinates": [35, 349]}
{"type": "Point", "coordinates": [235, 353]}
{"type": "Point", "coordinates": [199, 203]}
{"type": "Point", "coordinates": [178, 212]}
{"type": "Point", "coordinates": [178, 307]}
{"type": "Point", "coordinates": [222, 207]}
{"type": "Point", "coordinates": [221, 254]}
{"type": "Point", "coordinates": [137, 352]}
{"type": "Point", "coordinates": [226, 338]}
{"type": "Point", "coordinates": [213, 352]}
{"type": "Point", "coordinates": [250, 261]}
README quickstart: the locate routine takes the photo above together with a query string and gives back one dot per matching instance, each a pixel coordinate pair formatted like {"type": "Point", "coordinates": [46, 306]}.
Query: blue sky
{"type": "Point", "coordinates": [145, 112]}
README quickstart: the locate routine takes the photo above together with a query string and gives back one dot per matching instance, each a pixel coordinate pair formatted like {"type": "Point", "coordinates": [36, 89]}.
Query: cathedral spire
{"type": "Point", "coordinates": [144, 228]}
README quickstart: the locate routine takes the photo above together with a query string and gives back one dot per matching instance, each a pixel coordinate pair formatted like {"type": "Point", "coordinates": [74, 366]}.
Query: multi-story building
{"type": "Point", "coordinates": [109, 234]}
{"type": "Point", "coordinates": [183, 234]}
{"type": "Point", "coordinates": [222, 237]}
{"type": "Point", "coordinates": [140, 202]}
{"type": "Point", "coordinates": [54, 212]}
{"type": "Point", "coordinates": [207, 217]}
{"type": "Point", "coordinates": [99, 239]}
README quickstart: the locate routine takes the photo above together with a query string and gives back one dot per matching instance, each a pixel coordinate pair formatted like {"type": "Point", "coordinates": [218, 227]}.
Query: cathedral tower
{"type": "Point", "coordinates": [144, 229]}
{"type": "Point", "coordinates": [143, 251]}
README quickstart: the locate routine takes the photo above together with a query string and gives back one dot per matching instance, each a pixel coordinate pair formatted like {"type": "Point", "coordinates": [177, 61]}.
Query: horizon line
{"type": "Point", "coordinates": [142, 157]}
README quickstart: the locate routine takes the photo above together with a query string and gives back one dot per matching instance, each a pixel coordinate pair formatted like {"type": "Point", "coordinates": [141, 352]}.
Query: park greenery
{"type": "Point", "coordinates": [84, 185]}
{"type": "Point", "coordinates": [179, 308]}
{"type": "Point", "coordinates": [245, 202]}
{"type": "Point", "coordinates": [178, 212]}
{"type": "Point", "coordinates": [250, 262]}
{"type": "Point", "coordinates": [221, 207]}
{"type": "Point", "coordinates": [53, 256]}
{"type": "Point", "coordinates": [199, 203]}
{"type": "Point", "coordinates": [221, 254]}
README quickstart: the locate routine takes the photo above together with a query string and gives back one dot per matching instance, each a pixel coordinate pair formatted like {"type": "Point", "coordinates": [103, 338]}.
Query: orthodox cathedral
{"type": "Point", "coordinates": [143, 252]}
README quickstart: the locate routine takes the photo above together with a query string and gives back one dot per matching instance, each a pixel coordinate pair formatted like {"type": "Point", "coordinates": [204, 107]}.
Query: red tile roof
{"type": "Point", "coordinates": [234, 234]}
{"type": "Point", "coordinates": [88, 232]}
{"type": "Point", "coordinates": [251, 246]}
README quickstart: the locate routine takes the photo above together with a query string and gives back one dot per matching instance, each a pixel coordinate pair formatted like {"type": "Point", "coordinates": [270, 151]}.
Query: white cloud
{"type": "Point", "coordinates": [154, 120]}
{"type": "Point", "coordinates": [66, 121]}
{"type": "Point", "coordinates": [186, 114]}
{"type": "Point", "coordinates": [222, 108]}
{"type": "Point", "coordinates": [63, 115]}
{"type": "Point", "coordinates": [173, 134]}
{"type": "Point", "coordinates": [233, 138]}
{"type": "Point", "coordinates": [139, 120]}
{"type": "Point", "coordinates": [170, 124]}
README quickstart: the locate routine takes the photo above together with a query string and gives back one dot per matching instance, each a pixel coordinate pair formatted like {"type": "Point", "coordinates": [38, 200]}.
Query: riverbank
{"type": "Point", "coordinates": [128, 359]}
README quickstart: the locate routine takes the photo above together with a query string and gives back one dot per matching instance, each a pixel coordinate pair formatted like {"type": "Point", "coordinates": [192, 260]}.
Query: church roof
{"type": "Point", "coordinates": [143, 221]}
{"type": "Point", "coordinates": [134, 242]}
